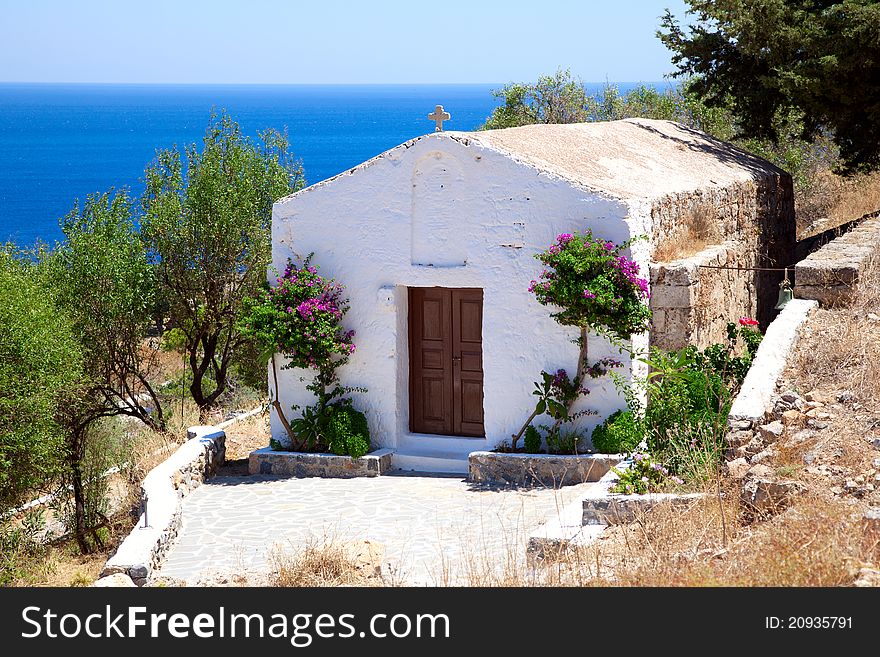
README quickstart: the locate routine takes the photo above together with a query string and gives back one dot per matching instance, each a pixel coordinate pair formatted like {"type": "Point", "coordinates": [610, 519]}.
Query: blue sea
{"type": "Point", "coordinates": [59, 142]}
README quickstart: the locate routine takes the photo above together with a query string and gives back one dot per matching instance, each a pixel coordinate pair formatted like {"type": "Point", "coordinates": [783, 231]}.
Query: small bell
{"type": "Point", "coordinates": [785, 293]}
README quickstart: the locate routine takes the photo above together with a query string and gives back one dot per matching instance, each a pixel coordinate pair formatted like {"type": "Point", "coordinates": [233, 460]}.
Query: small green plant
{"type": "Point", "coordinates": [559, 442]}
{"type": "Point", "coordinates": [620, 433]}
{"type": "Point", "coordinates": [644, 475]}
{"type": "Point", "coordinates": [348, 432]}
{"type": "Point", "coordinates": [173, 340]}
{"type": "Point", "coordinates": [532, 440]}
{"type": "Point", "coordinates": [20, 548]}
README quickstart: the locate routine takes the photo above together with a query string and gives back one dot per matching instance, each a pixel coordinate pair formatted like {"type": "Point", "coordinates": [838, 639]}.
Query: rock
{"type": "Point", "coordinates": [771, 432]}
{"type": "Point", "coordinates": [875, 443]}
{"type": "Point", "coordinates": [817, 396]}
{"type": "Point", "coordinates": [876, 463]}
{"type": "Point", "coordinates": [739, 438]}
{"type": "Point", "coordinates": [763, 496]}
{"type": "Point", "coordinates": [790, 396]}
{"type": "Point", "coordinates": [809, 457]}
{"type": "Point", "coordinates": [868, 577]}
{"type": "Point", "coordinates": [793, 418]}
{"type": "Point", "coordinates": [754, 446]}
{"type": "Point", "coordinates": [871, 524]}
{"type": "Point", "coordinates": [874, 317]}
{"type": "Point", "coordinates": [738, 468]}
{"type": "Point", "coordinates": [802, 436]}
{"type": "Point", "coordinates": [115, 581]}
{"type": "Point", "coordinates": [765, 455]}
{"type": "Point", "coordinates": [760, 471]}
{"type": "Point", "coordinates": [846, 397]}
{"type": "Point", "coordinates": [814, 404]}
{"type": "Point", "coordinates": [850, 485]}
{"type": "Point", "coordinates": [139, 571]}
{"type": "Point", "coordinates": [818, 424]}
{"type": "Point", "coordinates": [741, 425]}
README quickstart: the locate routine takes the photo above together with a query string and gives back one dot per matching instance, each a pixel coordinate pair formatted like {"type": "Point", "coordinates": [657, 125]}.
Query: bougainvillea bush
{"type": "Point", "coordinates": [593, 284]}
{"type": "Point", "coordinates": [300, 317]}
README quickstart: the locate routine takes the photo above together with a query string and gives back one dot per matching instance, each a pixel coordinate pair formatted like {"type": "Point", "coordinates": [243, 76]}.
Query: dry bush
{"type": "Point", "coordinates": [830, 200]}
{"type": "Point", "coordinates": [698, 230]}
{"type": "Point", "coordinates": [326, 563]}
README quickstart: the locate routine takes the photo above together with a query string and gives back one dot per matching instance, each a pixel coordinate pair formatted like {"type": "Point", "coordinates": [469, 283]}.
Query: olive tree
{"type": "Point", "coordinates": [40, 373]}
{"type": "Point", "coordinates": [105, 284]}
{"type": "Point", "coordinates": [206, 224]}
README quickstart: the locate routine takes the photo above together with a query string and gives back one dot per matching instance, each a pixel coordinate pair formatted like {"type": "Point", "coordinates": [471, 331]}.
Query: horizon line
{"type": "Point", "coordinates": [303, 84]}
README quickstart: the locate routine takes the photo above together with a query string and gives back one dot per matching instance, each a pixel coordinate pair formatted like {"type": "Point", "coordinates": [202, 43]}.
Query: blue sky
{"type": "Point", "coordinates": [326, 41]}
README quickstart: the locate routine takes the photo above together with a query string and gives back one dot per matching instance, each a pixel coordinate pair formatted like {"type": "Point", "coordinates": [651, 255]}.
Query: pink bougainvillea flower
{"type": "Point", "coordinates": [747, 321]}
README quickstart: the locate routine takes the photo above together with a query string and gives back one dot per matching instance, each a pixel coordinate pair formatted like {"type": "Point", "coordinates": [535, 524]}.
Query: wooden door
{"type": "Point", "coordinates": [446, 361]}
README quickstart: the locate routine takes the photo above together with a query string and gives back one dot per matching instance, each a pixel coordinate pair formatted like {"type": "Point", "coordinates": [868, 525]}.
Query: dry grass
{"type": "Point", "coordinates": [327, 563]}
{"type": "Point", "coordinates": [698, 230]}
{"type": "Point", "coordinates": [840, 348]}
{"type": "Point", "coordinates": [246, 435]}
{"type": "Point", "coordinates": [817, 542]}
{"type": "Point", "coordinates": [833, 200]}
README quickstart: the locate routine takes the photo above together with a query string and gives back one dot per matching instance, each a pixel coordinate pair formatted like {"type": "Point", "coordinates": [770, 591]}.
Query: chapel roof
{"type": "Point", "coordinates": [630, 158]}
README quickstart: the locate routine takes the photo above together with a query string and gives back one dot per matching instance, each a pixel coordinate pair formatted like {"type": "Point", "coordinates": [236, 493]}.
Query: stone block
{"type": "Point", "coordinates": [267, 461]}
{"type": "Point", "coordinates": [548, 470]}
{"type": "Point", "coordinates": [667, 296]}
{"type": "Point", "coordinates": [617, 509]}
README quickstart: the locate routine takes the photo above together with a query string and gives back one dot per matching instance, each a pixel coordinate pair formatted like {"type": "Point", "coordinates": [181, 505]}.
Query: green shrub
{"type": "Point", "coordinates": [644, 475]}
{"type": "Point", "coordinates": [532, 440]}
{"type": "Point", "coordinates": [348, 432]}
{"type": "Point", "coordinates": [563, 443]}
{"type": "Point", "coordinates": [621, 432]}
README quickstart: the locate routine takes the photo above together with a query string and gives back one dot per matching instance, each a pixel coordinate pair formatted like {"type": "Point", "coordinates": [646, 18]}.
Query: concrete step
{"type": "Point", "coordinates": [561, 533]}
{"type": "Point", "coordinates": [431, 461]}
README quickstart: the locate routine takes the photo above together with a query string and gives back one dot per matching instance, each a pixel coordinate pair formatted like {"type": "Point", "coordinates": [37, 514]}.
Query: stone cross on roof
{"type": "Point", "coordinates": [439, 116]}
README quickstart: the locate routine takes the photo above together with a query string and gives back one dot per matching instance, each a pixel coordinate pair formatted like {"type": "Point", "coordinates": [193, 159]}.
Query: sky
{"type": "Point", "coordinates": [330, 42]}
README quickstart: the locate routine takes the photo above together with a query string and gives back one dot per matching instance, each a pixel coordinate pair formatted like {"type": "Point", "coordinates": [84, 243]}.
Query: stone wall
{"type": "Point", "coordinates": [691, 304]}
{"type": "Point", "coordinates": [267, 461]}
{"type": "Point", "coordinates": [830, 274]}
{"type": "Point", "coordinates": [161, 493]}
{"type": "Point", "coordinates": [748, 224]}
{"type": "Point", "coordinates": [545, 470]}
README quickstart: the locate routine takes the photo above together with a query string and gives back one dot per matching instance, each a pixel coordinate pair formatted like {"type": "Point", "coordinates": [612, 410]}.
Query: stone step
{"type": "Point", "coordinates": [561, 533]}
{"type": "Point", "coordinates": [431, 461]}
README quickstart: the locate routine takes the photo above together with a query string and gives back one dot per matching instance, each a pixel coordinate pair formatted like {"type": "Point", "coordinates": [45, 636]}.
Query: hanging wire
{"type": "Point", "coordinates": [783, 269]}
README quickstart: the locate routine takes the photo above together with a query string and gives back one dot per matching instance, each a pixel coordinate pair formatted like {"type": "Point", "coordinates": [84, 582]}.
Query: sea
{"type": "Point", "coordinates": [60, 142]}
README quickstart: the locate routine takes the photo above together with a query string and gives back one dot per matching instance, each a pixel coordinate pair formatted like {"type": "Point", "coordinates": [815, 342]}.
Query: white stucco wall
{"type": "Point", "coordinates": [439, 212]}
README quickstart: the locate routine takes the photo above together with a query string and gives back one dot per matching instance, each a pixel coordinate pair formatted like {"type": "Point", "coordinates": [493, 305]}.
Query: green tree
{"type": "Point", "coordinates": [557, 98]}
{"type": "Point", "coordinates": [814, 64]}
{"type": "Point", "coordinates": [208, 231]}
{"type": "Point", "coordinates": [105, 284]}
{"type": "Point", "coordinates": [40, 373]}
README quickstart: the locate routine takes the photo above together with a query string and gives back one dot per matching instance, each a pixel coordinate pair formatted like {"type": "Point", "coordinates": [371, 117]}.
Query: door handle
{"type": "Point", "coordinates": [456, 359]}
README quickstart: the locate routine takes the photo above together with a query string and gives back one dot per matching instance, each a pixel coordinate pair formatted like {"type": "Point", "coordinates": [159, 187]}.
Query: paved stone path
{"type": "Point", "coordinates": [436, 529]}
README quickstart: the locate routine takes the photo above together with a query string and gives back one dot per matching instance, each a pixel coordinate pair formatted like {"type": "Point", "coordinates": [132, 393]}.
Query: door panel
{"type": "Point", "coordinates": [430, 364]}
{"type": "Point", "coordinates": [446, 361]}
{"type": "Point", "coordinates": [467, 360]}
